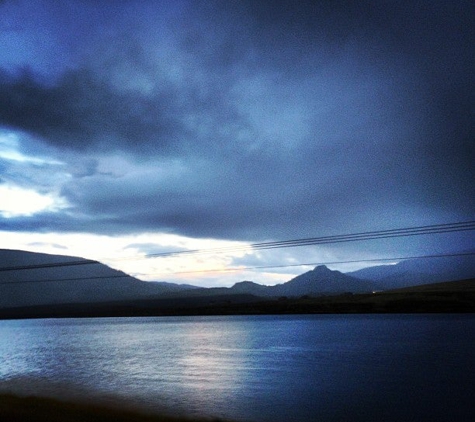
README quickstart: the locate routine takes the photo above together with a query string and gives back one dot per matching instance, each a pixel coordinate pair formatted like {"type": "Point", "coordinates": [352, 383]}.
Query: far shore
{"type": "Point", "coordinates": [452, 297]}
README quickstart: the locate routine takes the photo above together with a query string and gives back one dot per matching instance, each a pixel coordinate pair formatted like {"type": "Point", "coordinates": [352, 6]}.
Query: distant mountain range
{"type": "Point", "coordinates": [413, 272]}
{"type": "Point", "coordinates": [319, 281]}
{"type": "Point", "coordinates": [93, 282]}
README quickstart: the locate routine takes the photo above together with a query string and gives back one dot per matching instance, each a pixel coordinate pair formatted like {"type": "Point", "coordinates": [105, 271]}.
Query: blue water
{"type": "Point", "coordinates": [253, 368]}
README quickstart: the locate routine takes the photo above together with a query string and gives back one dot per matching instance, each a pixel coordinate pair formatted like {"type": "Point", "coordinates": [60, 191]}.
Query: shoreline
{"type": "Point", "coordinates": [396, 302]}
{"type": "Point", "coordinates": [16, 408]}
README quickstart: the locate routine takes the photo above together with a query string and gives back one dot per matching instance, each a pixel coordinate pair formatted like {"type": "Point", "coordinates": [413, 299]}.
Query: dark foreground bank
{"type": "Point", "coordinates": [397, 302]}
{"type": "Point", "coordinates": [449, 297]}
{"type": "Point", "coordinates": [37, 409]}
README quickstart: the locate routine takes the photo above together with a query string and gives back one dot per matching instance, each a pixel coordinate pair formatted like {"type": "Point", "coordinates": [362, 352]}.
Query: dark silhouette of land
{"type": "Point", "coordinates": [43, 286]}
{"type": "Point", "coordinates": [36, 409]}
{"type": "Point", "coordinates": [448, 297]}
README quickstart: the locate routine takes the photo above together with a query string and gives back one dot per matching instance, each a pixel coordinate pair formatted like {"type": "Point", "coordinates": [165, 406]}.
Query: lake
{"type": "Point", "coordinates": [253, 368]}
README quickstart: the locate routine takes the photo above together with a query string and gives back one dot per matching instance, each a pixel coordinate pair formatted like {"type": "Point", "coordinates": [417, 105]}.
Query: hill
{"type": "Point", "coordinates": [420, 271]}
{"type": "Point", "coordinates": [43, 285]}
{"type": "Point", "coordinates": [86, 281]}
{"type": "Point", "coordinates": [444, 287]}
{"type": "Point", "coordinates": [317, 282]}
{"type": "Point", "coordinates": [323, 281]}
{"type": "Point", "coordinates": [36, 279]}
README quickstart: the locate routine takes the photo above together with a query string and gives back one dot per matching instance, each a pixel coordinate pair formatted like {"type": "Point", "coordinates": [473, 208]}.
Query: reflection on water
{"type": "Point", "coordinates": [302, 368]}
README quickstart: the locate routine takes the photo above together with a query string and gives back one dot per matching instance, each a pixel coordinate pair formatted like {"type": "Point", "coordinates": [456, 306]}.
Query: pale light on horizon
{"type": "Point", "coordinates": [206, 269]}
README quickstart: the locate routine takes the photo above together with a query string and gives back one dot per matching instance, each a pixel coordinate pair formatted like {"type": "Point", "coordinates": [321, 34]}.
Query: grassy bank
{"type": "Point", "coordinates": [36, 409]}
{"type": "Point", "coordinates": [450, 297]}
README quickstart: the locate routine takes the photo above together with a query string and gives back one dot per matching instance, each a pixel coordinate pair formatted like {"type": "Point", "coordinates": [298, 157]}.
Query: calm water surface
{"type": "Point", "coordinates": [266, 368]}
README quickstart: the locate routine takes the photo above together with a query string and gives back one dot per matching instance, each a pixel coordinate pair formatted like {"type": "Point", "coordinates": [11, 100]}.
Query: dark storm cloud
{"type": "Point", "coordinates": [284, 119]}
{"type": "Point", "coordinates": [81, 112]}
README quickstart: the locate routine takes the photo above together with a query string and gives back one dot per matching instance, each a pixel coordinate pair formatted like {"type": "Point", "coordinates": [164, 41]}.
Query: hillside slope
{"type": "Point", "coordinates": [420, 271]}
{"type": "Point", "coordinates": [85, 281]}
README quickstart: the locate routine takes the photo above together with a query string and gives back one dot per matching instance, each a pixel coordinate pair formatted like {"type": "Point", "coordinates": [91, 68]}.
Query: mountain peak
{"type": "Point", "coordinates": [244, 283]}
{"type": "Point", "coordinates": [322, 269]}
{"type": "Point", "coordinates": [249, 287]}
{"type": "Point", "coordinates": [322, 280]}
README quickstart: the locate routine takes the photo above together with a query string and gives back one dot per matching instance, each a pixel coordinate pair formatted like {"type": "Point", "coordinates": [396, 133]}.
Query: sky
{"type": "Point", "coordinates": [130, 128]}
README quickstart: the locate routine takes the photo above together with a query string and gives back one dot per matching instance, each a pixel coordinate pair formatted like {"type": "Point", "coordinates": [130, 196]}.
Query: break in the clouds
{"type": "Point", "coordinates": [238, 120]}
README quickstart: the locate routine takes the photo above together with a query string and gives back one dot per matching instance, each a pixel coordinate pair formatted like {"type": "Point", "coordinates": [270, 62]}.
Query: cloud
{"type": "Point", "coordinates": [22, 202]}
{"type": "Point", "coordinates": [253, 120]}
{"type": "Point", "coordinates": [80, 112]}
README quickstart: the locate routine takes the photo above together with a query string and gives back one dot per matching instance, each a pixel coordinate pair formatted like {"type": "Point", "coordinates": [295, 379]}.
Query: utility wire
{"type": "Point", "coordinates": [101, 277]}
{"type": "Point", "coordinates": [380, 234]}
{"type": "Point", "coordinates": [322, 263]}
{"type": "Point", "coordinates": [50, 265]}
{"type": "Point", "coordinates": [217, 270]}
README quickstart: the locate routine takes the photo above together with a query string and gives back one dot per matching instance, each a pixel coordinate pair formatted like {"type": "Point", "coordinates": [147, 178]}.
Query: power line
{"type": "Point", "coordinates": [217, 270]}
{"type": "Point", "coordinates": [101, 277]}
{"type": "Point", "coordinates": [50, 265]}
{"type": "Point", "coordinates": [379, 234]}
{"type": "Point", "coordinates": [323, 263]}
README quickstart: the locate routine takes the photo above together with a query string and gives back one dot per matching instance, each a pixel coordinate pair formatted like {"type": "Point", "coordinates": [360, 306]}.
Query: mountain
{"type": "Point", "coordinates": [419, 271]}
{"type": "Point", "coordinates": [90, 282]}
{"type": "Point", "coordinates": [317, 282]}
{"type": "Point", "coordinates": [84, 282]}
{"type": "Point", "coordinates": [322, 280]}
{"type": "Point", "coordinates": [450, 287]}
{"type": "Point", "coordinates": [167, 287]}
{"type": "Point", "coordinates": [249, 287]}
{"type": "Point", "coordinates": [50, 282]}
